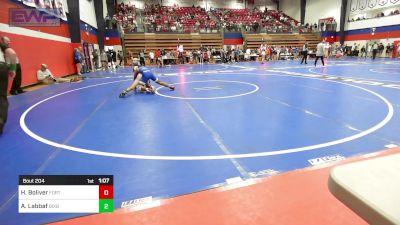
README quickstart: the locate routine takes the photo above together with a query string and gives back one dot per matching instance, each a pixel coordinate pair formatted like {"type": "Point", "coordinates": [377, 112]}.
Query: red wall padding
{"type": "Point", "coordinates": [32, 51]}
{"type": "Point", "coordinates": [5, 5]}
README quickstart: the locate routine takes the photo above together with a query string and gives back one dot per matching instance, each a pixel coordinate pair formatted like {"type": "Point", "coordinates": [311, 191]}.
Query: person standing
{"type": "Point", "coordinates": [109, 59]}
{"type": "Point", "coordinates": [104, 59]}
{"type": "Point", "coordinates": [363, 52]}
{"type": "Point", "coordinates": [95, 59]}
{"type": "Point", "coordinates": [304, 53]}
{"type": "Point", "coordinates": [142, 59]}
{"type": "Point", "coordinates": [8, 68]}
{"type": "Point", "coordinates": [151, 56]}
{"type": "Point", "coordinates": [114, 58]}
{"type": "Point", "coordinates": [159, 60]}
{"type": "Point", "coordinates": [16, 84]}
{"type": "Point", "coordinates": [320, 53]}
{"type": "Point", "coordinates": [374, 50]}
{"type": "Point", "coordinates": [120, 58]}
{"type": "Point", "coordinates": [78, 61]}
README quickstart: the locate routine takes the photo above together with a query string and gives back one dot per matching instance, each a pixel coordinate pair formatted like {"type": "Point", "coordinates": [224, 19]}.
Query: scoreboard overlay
{"type": "Point", "coordinates": [66, 193]}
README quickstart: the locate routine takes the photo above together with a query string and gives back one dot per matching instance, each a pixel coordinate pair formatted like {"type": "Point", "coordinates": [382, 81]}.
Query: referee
{"type": "Point", "coordinates": [304, 53]}
{"type": "Point", "coordinates": [16, 84]}
{"type": "Point", "coordinates": [8, 67]}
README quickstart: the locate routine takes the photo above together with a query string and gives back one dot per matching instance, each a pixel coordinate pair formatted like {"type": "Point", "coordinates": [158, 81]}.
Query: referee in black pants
{"type": "Point", "coordinates": [8, 67]}
{"type": "Point", "coordinates": [16, 84]}
{"type": "Point", "coordinates": [304, 53]}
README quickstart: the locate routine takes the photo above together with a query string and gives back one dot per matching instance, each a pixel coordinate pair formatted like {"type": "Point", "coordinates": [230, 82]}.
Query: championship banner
{"type": "Point", "coordinates": [353, 5]}
{"type": "Point", "coordinates": [383, 2]}
{"type": "Point", "coordinates": [362, 4]}
{"type": "Point", "coordinates": [372, 3]}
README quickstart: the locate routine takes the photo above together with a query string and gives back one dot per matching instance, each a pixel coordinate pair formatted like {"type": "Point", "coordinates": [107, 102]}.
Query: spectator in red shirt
{"type": "Point", "coordinates": [158, 58]}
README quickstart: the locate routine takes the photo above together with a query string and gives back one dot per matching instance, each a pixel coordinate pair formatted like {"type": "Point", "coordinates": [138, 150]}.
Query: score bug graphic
{"type": "Point", "coordinates": [66, 194]}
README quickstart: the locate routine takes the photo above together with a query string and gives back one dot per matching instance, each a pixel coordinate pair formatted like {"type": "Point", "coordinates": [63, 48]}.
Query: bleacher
{"type": "Point", "coordinates": [254, 41]}
{"type": "Point", "coordinates": [183, 19]}
{"type": "Point", "coordinates": [152, 42]}
{"type": "Point", "coordinates": [237, 15]}
{"type": "Point", "coordinates": [191, 19]}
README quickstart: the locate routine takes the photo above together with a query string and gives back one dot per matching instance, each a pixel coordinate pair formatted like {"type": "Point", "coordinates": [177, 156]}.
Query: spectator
{"type": "Point", "coordinates": [78, 61]}
{"type": "Point", "coordinates": [107, 21]}
{"type": "Point", "coordinates": [17, 81]}
{"type": "Point", "coordinates": [8, 67]}
{"type": "Point", "coordinates": [363, 51]}
{"type": "Point", "coordinates": [142, 58]}
{"type": "Point", "coordinates": [114, 58]}
{"type": "Point", "coordinates": [120, 58]}
{"type": "Point", "coordinates": [45, 76]}
{"type": "Point", "coordinates": [114, 22]}
{"type": "Point", "coordinates": [158, 57]}
{"type": "Point", "coordinates": [104, 59]}
{"type": "Point", "coordinates": [151, 55]}
{"type": "Point", "coordinates": [95, 59]}
{"type": "Point", "coordinates": [304, 53]}
{"type": "Point", "coordinates": [374, 50]}
{"type": "Point", "coordinates": [109, 59]}
{"type": "Point", "coordinates": [320, 53]}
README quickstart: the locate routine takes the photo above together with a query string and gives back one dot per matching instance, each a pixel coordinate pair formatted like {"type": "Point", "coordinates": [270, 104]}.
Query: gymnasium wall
{"type": "Point", "coordinates": [383, 29]}
{"type": "Point", "coordinates": [37, 45]}
{"type": "Point", "coordinates": [87, 13]}
{"type": "Point", "coordinates": [363, 6]}
{"type": "Point", "coordinates": [262, 4]}
{"type": "Point", "coordinates": [291, 8]}
{"type": "Point", "coordinates": [382, 33]}
{"type": "Point", "coordinates": [49, 45]}
{"type": "Point", "coordinates": [374, 22]}
{"type": "Point", "coordinates": [387, 28]}
{"type": "Point", "coordinates": [318, 9]}
{"type": "Point", "coordinates": [369, 9]}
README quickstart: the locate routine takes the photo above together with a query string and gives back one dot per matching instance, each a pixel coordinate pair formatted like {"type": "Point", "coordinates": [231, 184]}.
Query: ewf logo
{"type": "Point", "coordinates": [32, 17]}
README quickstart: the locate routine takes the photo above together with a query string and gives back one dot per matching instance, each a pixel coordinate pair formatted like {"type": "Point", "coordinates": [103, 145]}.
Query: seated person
{"type": "Point", "coordinates": [45, 76]}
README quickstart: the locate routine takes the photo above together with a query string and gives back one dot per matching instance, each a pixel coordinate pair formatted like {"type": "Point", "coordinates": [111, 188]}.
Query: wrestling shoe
{"type": "Point", "coordinates": [123, 94]}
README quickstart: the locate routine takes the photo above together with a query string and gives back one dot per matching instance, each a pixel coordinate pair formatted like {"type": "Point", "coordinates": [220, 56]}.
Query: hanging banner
{"type": "Point", "coordinates": [59, 7]}
{"type": "Point", "coordinates": [372, 3]}
{"type": "Point", "coordinates": [52, 7]}
{"type": "Point", "coordinates": [362, 4]}
{"type": "Point", "coordinates": [353, 5]}
{"type": "Point", "coordinates": [40, 4]}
